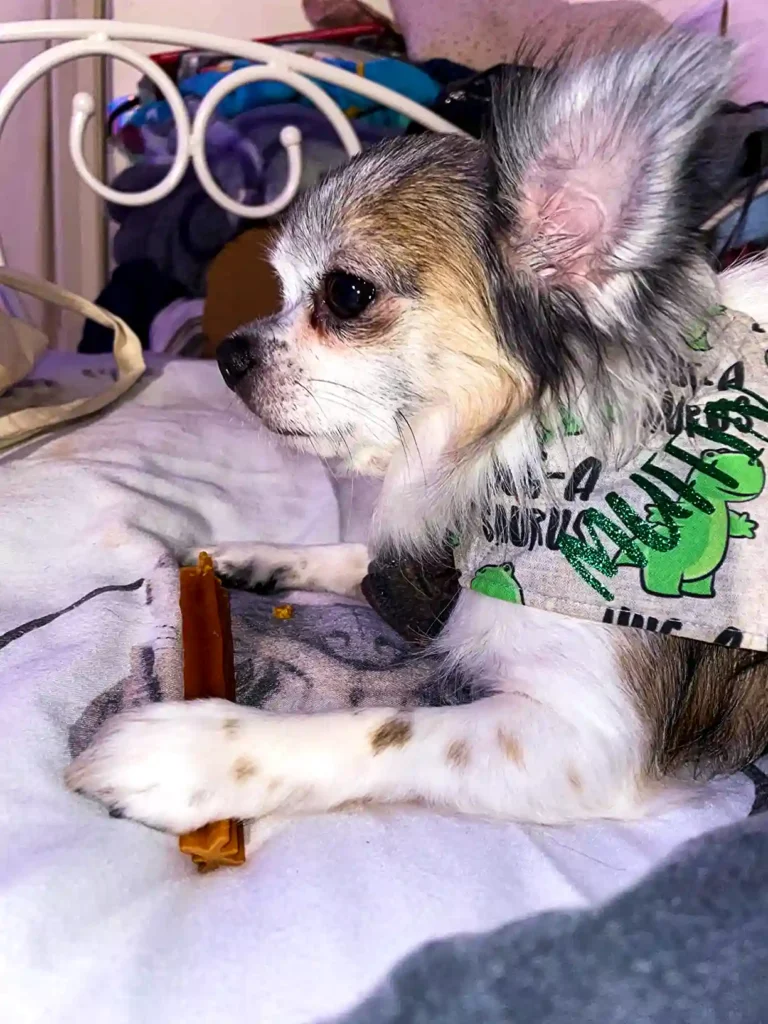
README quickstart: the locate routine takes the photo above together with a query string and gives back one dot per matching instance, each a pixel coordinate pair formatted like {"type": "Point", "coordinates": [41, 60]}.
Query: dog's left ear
{"type": "Point", "coordinates": [589, 160]}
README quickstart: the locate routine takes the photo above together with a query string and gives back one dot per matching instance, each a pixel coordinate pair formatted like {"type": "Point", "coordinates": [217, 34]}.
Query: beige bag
{"type": "Point", "coordinates": [21, 345]}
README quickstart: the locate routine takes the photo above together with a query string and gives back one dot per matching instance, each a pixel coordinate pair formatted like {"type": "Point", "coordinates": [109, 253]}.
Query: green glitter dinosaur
{"type": "Point", "coordinates": [498, 581]}
{"type": "Point", "coordinates": [689, 568]}
{"type": "Point", "coordinates": [698, 337]}
{"type": "Point", "coordinates": [570, 426]}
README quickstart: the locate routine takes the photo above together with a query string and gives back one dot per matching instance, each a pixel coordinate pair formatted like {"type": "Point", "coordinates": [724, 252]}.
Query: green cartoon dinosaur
{"type": "Point", "coordinates": [570, 426]}
{"type": "Point", "coordinates": [498, 581]}
{"type": "Point", "coordinates": [698, 336]}
{"type": "Point", "coordinates": [689, 568]}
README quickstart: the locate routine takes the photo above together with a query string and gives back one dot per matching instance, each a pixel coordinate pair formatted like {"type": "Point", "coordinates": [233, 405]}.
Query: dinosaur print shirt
{"type": "Point", "coordinates": [676, 540]}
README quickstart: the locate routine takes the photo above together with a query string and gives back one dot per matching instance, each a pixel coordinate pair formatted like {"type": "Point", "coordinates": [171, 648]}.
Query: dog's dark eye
{"type": "Point", "coordinates": [347, 296]}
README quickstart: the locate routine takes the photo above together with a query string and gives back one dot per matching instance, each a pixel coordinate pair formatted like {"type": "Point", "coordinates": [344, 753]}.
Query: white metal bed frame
{"type": "Point", "coordinates": [105, 38]}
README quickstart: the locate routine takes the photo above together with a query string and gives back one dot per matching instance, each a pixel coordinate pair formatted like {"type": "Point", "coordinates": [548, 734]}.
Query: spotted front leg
{"type": "Point", "coordinates": [180, 765]}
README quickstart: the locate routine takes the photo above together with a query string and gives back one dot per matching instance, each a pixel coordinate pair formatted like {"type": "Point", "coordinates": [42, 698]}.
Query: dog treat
{"type": "Point", "coordinates": [282, 611]}
{"type": "Point", "coordinates": [209, 671]}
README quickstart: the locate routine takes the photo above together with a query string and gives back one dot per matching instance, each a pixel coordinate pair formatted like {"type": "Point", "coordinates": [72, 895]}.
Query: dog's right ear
{"type": "Point", "coordinates": [588, 160]}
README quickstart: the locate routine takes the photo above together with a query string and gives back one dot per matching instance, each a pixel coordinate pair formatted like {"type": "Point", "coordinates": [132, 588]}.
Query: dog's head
{"type": "Point", "coordinates": [441, 280]}
{"type": "Point", "coordinates": [386, 301]}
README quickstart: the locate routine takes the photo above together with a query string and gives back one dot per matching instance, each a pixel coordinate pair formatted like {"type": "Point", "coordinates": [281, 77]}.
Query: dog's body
{"type": "Point", "coordinates": [443, 299]}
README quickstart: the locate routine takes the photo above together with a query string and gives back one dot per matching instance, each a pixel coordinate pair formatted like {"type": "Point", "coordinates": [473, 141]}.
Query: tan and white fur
{"type": "Point", "coordinates": [441, 295]}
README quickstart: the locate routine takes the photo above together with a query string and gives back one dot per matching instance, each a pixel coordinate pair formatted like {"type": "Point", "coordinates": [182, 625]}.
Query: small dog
{"type": "Point", "coordinates": [450, 307]}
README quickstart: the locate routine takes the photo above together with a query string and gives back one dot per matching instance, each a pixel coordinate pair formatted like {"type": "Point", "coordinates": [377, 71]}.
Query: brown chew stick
{"type": "Point", "coordinates": [209, 671]}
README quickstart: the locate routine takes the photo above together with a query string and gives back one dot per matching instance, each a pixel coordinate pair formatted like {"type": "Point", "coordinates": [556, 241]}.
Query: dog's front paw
{"type": "Point", "coordinates": [173, 766]}
{"type": "Point", "coordinates": [262, 568]}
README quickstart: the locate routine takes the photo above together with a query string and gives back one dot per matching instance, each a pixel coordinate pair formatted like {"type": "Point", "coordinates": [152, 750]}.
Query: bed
{"type": "Point", "coordinates": [105, 917]}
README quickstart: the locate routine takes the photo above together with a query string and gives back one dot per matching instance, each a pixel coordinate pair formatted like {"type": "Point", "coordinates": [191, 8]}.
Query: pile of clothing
{"type": "Point", "coordinates": [162, 252]}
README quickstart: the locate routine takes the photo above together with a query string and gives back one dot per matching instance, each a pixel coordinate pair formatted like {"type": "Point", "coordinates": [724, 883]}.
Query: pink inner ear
{"type": "Point", "coordinates": [591, 164]}
{"type": "Point", "coordinates": [569, 216]}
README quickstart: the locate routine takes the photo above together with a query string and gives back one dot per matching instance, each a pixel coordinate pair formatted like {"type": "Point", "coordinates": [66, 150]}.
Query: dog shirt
{"type": "Point", "coordinates": [671, 541]}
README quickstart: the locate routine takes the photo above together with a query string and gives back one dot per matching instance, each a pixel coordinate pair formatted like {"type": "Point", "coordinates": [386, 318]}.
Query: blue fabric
{"type": "Point", "coordinates": [401, 77]}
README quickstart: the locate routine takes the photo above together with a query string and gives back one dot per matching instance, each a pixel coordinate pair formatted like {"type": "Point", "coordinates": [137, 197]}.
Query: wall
{"type": "Point", "coordinates": [244, 19]}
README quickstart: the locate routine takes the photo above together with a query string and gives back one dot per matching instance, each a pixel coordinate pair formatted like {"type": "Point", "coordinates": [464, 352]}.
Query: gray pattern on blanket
{"type": "Point", "coordinates": [325, 657]}
{"type": "Point", "coordinates": [150, 677]}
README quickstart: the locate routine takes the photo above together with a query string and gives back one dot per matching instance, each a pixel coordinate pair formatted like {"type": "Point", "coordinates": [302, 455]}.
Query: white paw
{"type": "Point", "coordinates": [176, 766]}
{"type": "Point", "coordinates": [260, 567]}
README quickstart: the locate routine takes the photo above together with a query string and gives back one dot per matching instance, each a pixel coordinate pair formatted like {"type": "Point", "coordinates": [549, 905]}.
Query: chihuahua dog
{"type": "Point", "coordinates": [447, 304]}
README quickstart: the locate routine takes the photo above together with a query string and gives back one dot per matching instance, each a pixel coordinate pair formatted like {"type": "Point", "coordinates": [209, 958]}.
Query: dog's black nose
{"type": "Point", "coordinates": [235, 357]}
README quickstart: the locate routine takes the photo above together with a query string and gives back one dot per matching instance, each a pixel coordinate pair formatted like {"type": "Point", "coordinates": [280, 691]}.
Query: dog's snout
{"type": "Point", "coordinates": [235, 356]}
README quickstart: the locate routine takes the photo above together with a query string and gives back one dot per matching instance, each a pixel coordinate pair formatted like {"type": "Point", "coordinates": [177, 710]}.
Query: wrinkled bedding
{"type": "Point", "coordinates": [103, 917]}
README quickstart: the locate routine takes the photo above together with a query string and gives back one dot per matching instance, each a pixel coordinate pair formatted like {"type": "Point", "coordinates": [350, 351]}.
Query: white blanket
{"type": "Point", "coordinates": [103, 919]}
